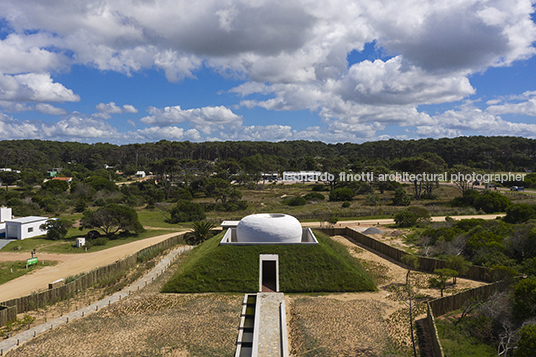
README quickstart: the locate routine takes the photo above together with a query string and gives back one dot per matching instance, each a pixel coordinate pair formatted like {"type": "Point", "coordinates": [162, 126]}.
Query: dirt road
{"type": "Point", "coordinates": [69, 264]}
{"type": "Point", "coordinates": [386, 221]}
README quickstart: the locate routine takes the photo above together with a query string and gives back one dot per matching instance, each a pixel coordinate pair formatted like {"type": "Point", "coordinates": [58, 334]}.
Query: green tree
{"type": "Point", "coordinates": [443, 275]}
{"type": "Point", "coordinates": [55, 186]}
{"type": "Point", "coordinates": [341, 194]}
{"type": "Point", "coordinates": [526, 346]}
{"type": "Point", "coordinates": [519, 213]}
{"type": "Point", "coordinates": [99, 183]}
{"type": "Point", "coordinates": [458, 264]}
{"type": "Point", "coordinates": [187, 211]}
{"type": "Point", "coordinates": [401, 197]}
{"type": "Point", "coordinates": [8, 178]}
{"type": "Point", "coordinates": [405, 218]}
{"type": "Point", "coordinates": [111, 219]}
{"type": "Point", "coordinates": [524, 299]}
{"type": "Point", "coordinates": [490, 201]}
{"type": "Point", "coordinates": [56, 228]}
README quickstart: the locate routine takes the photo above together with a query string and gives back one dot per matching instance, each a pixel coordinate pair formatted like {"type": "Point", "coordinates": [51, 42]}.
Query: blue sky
{"type": "Point", "coordinates": [126, 71]}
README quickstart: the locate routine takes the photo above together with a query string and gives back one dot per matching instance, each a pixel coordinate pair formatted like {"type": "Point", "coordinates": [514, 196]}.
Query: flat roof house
{"type": "Point", "coordinates": [25, 227]}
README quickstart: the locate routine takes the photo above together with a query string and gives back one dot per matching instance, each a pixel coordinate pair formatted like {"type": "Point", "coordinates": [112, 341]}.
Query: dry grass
{"type": "Point", "coordinates": [322, 326]}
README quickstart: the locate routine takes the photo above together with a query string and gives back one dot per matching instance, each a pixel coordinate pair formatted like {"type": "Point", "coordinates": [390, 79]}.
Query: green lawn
{"type": "Point", "coordinates": [66, 246]}
{"type": "Point", "coordinates": [19, 268]}
{"type": "Point", "coordinates": [326, 267]}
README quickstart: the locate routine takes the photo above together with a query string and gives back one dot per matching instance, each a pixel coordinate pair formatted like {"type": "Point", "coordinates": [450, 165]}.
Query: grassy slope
{"type": "Point", "coordinates": [326, 267]}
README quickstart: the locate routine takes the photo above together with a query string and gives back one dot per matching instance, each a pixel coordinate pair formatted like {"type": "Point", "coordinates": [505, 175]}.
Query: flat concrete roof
{"type": "Point", "coordinates": [229, 224]}
{"type": "Point", "coordinates": [28, 219]}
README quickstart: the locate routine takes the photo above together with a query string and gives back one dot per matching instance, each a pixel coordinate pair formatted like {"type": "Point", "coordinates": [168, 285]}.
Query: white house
{"type": "Point", "coordinates": [25, 227]}
{"type": "Point", "coordinates": [140, 174]}
{"type": "Point", "coordinates": [301, 176]}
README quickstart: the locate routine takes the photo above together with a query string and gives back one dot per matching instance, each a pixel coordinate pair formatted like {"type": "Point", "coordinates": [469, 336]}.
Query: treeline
{"type": "Point", "coordinates": [493, 153]}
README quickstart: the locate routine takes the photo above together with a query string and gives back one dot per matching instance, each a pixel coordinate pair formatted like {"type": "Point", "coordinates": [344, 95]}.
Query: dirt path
{"type": "Point", "coordinates": [72, 265]}
{"type": "Point", "coordinates": [12, 256]}
{"type": "Point", "coordinates": [387, 221]}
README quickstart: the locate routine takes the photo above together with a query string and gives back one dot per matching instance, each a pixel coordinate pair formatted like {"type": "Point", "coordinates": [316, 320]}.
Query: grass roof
{"type": "Point", "coordinates": [326, 267]}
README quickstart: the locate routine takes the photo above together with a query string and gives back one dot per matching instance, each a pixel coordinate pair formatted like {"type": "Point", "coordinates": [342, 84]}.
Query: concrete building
{"type": "Point", "coordinates": [140, 174]}
{"type": "Point", "coordinates": [267, 228]}
{"type": "Point", "coordinates": [301, 176]}
{"type": "Point", "coordinates": [25, 227]}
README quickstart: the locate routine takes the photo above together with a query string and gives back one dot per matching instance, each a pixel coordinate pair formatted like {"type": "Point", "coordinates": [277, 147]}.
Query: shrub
{"type": "Point", "coordinates": [405, 218]}
{"type": "Point", "coordinates": [490, 202]}
{"type": "Point", "coordinates": [319, 188]}
{"type": "Point", "coordinates": [346, 204]}
{"type": "Point", "coordinates": [295, 201]}
{"type": "Point", "coordinates": [314, 196]}
{"type": "Point", "coordinates": [527, 341]}
{"type": "Point", "coordinates": [401, 197]}
{"type": "Point", "coordinates": [187, 211]}
{"type": "Point", "coordinates": [341, 194]}
{"type": "Point", "coordinates": [519, 213]}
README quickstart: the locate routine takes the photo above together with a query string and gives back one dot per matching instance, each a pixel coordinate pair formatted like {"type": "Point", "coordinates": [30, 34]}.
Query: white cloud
{"type": "Point", "coordinates": [50, 109]}
{"type": "Point", "coordinates": [206, 119]}
{"type": "Point", "coordinates": [159, 133]}
{"type": "Point", "coordinates": [109, 108]}
{"type": "Point", "coordinates": [291, 56]}
{"type": "Point", "coordinates": [127, 108]}
{"type": "Point", "coordinates": [33, 87]}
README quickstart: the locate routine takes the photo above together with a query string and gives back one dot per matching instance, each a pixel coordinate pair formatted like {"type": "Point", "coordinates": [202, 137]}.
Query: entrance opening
{"type": "Point", "coordinates": [269, 276]}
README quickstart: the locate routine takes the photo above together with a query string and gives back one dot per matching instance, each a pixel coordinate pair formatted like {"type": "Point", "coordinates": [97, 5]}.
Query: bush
{"type": "Point", "coordinates": [187, 211]}
{"type": "Point", "coordinates": [346, 204]}
{"type": "Point", "coordinates": [320, 188]}
{"type": "Point", "coordinates": [341, 194]}
{"type": "Point", "coordinates": [406, 218]}
{"type": "Point", "coordinates": [490, 202]}
{"type": "Point", "coordinates": [295, 201]}
{"type": "Point", "coordinates": [401, 197]}
{"type": "Point", "coordinates": [527, 341]}
{"type": "Point", "coordinates": [519, 213]}
{"type": "Point", "coordinates": [314, 196]}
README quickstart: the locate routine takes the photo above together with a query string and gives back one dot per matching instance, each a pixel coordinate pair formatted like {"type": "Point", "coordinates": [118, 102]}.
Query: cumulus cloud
{"type": "Point", "coordinates": [290, 56]}
{"type": "Point", "coordinates": [205, 119]}
{"type": "Point", "coordinates": [33, 87]}
{"type": "Point", "coordinates": [109, 108]}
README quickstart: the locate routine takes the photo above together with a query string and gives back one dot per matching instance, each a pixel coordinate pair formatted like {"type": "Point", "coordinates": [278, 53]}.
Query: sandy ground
{"type": "Point", "coordinates": [362, 324]}
{"type": "Point", "coordinates": [69, 264]}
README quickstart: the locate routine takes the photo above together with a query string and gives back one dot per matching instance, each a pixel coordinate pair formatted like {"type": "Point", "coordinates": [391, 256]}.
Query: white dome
{"type": "Point", "coordinates": [269, 227]}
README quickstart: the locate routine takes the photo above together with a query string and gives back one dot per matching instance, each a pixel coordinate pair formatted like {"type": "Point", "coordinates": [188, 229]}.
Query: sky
{"type": "Point", "coordinates": [134, 71]}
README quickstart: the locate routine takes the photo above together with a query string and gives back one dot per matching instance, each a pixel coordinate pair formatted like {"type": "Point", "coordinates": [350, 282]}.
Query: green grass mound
{"type": "Point", "coordinates": [326, 267]}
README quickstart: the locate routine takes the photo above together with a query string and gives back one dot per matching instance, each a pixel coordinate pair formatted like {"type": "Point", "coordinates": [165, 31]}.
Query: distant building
{"type": "Point", "coordinates": [66, 179]}
{"type": "Point", "coordinates": [301, 176]}
{"type": "Point", "coordinates": [25, 227]}
{"type": "Point", "coordinates": [140, 174]}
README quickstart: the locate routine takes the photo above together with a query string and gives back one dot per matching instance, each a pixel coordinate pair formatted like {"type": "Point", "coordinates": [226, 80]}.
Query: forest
{"type": "Point", "coordinates": [491, 153]}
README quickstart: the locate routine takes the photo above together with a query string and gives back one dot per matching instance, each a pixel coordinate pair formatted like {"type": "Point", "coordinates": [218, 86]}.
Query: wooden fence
{"type": "Point", "coordinates": [425, 264]}
{"type": "Point", "coordinates": [435, 307]}
{"type": "Point", "coordinates": [7, 313]}
{"type": "Point", "coordinates": [38, 300]}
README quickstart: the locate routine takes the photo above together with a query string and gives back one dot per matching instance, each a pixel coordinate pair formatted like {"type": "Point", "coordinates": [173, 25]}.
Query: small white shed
{"type": "Point", "coordinates": [140, 174]}
{"type": "Point", "coordinates": [80, 242]}
{"type": "Point", "coordinates": [25, 227]}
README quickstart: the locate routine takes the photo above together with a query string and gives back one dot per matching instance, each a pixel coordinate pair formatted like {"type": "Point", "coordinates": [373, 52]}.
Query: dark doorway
{"type": "Point", "coordinates": [269, 276]}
